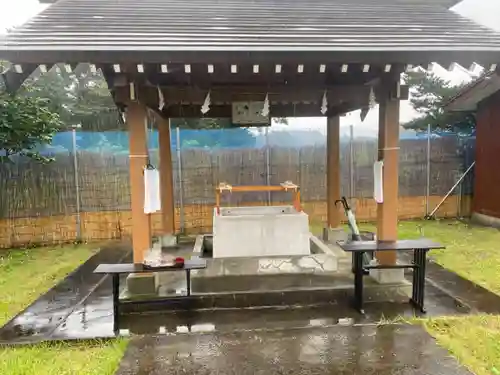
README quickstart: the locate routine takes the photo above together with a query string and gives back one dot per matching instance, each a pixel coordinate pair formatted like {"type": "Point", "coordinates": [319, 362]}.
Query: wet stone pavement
{"type": "Point", "coordinates": [369, 349]}
{"type": "Point", "coordinates": [329, 338]}
{"type": "Point", "coordinates": [63, 317]}
{"type": "Point", "coordinates": [78, 292]}
{"type": "Point", "coordinates": [80, 307]}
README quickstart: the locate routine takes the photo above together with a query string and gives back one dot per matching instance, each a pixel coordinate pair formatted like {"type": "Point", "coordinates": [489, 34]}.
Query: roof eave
{"type": "Point", "coordinates": [446, 3]}
{"type": "Point", "coordinates": [450, 3]}
{"type": "Point", "coordinates": [468, 99]}
{"type": "Point", "coordinates": [445, 57]}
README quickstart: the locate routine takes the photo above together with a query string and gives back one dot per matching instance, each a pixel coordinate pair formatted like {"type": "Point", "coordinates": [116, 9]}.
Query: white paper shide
{"type": "Point", "coordinates": [378, 181]}
{"type": "Point", "coordinates": [152, 202]}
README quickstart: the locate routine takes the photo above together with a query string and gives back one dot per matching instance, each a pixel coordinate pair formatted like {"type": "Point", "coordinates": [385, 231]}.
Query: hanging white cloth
{"type": "Point", "coordinates": [378, 181]}
{"type": "Point", "coordinates": [372, 103]}
{"type": "Point", "coordinates": [324, 104]}
{"type": "Point", "coordinates": [161, 99]}
{"type": "Point", "coordinates": [152, 202]}
{"type": "Point", "coordinates": [206, 104]}
{"type": "Point", "coordinates": [372, 99]}
{"type": "Point", "coordinates": [265, 107]}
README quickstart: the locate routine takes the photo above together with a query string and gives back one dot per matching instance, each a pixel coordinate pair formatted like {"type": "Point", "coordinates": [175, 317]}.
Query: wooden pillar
{"type": "Point", "coordinates": [141, 222]}
{"type": "Point", "coordinates": [388, 144]}
{"type": "Point", "coordinates": [333, 170]}
{"type": "Point", "coordinates": [166, 178]}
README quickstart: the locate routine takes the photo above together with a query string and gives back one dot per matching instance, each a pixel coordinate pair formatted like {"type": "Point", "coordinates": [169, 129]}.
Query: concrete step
{"type": "Point", "coordinates": [269, 282]}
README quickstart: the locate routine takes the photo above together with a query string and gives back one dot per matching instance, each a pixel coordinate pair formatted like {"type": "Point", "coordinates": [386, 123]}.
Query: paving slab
{"type": "Point", "coordinates": [93, 317]}
{"type": "Point", "coordinates": [390, 349]}
{"type": "Point", "coordinates": [52, 309]}
{"type": "Point", "coordinates": [468, 293]}
{"type": "Point", "coordinates": [80, 307]}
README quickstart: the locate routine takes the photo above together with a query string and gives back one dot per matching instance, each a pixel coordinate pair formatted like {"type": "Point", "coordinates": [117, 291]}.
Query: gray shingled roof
{"type": "Point", "coordinates": [471, 95]}
{"type": "Point", "coordinates": [445, 3]}
{"type": "Point", "coordinates": [70, 26]}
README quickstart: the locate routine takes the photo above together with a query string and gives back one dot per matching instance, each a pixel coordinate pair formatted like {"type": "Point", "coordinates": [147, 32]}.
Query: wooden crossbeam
{"type": "Point", "coordinates": [285, 186]}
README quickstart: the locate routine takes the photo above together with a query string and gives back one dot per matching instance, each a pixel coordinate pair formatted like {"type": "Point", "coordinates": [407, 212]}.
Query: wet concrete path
{"type": "Point", "coordinates": [80, 307]}
{"type": "Point", "coordinates": [326, 339]}
{"type": "Point", "coordinates": [470, 294]}
{"type": "Point", "coordinates": [369, 349]}
{"type": "Point", "coordinates": [64, 317]}
{"type": "Point", "coordinates": [51, 311]}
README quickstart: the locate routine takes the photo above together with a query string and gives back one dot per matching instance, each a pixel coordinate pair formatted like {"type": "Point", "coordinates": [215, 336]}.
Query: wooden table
{"type": "Point", "coordinates": [419, 247]}
{"type": "Point", "coordinates": [115, 270]}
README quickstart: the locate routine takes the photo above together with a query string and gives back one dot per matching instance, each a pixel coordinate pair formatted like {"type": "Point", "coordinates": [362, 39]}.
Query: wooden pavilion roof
{"type": "Point", "coordinates": [469, 97]}
{"type": "Point", "coordinates": [395, 31]}
{"type": "Point", "coordinates": [295, 51]}
{"type": "Point", "coordinates": [444, 3]}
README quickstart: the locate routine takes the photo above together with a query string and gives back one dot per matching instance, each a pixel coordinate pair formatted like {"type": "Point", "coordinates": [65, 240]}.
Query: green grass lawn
{"type": "Point", "coordinates": [471, 252]}
{"type": "Point", "coordinates": [26, 274]}
{"type": "Point", "coordinates": [474, 340]}
{"type": "Point", "coordinates": [474, 253]}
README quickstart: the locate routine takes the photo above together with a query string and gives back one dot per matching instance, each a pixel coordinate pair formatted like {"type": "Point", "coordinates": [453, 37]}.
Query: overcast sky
{"type": "Point", "coordinates": [485, 12]}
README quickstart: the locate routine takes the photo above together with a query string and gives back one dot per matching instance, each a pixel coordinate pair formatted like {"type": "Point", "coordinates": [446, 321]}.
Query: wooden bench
{"type": "Point", "coordinates": [419, 247]}
{"type": "Point", "coordinates": [115, 270]}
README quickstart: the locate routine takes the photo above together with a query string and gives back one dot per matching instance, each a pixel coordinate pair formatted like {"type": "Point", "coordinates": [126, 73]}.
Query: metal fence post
{"type": "Point", "coordinates": [268, 165]}
{"type": "Point", "coordinates": [77, 185]}
{"type": "Point", "coordinates": [460, 187]}
{"type": "Point", "coordinates": [351, 162]}
{"type": "Point", "coordinates": [428, 182]}
{"type": "Point", "coordinates": [179, 174]}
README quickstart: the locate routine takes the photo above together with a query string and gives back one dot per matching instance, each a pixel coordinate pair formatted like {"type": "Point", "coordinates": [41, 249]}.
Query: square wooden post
{"type": "Point", "coordinates": [388, 144]}
{"type": "Point", "coordinates": [141, 222]}
{"type": "Point", "coordinates": [166, 178]}
{"type": "Point", "coordinates": [333, 171]}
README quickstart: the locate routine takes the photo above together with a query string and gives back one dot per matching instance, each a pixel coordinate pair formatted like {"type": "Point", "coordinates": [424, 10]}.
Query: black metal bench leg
{"type": "Point", "coordinates": [419, 279]}
{"type": "Point", "coordinates": [358, 281]}
{"type": "Point", "coordinates": [423, 255]}
{"type": "Point", "coordinates": [415, 278]}
{"type": "Point", "coordinates": [188, 282]}
{"type": "Point", "coordinates": [116, 302]}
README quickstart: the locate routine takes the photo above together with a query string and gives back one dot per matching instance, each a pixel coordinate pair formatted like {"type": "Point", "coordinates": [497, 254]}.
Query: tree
{"type": "Point", "coordinates": [217, 138]}
{"type": "Point", "coordinates": [80, 97]}
{"type": "Point", "coordinates": [25, 122]}
{"type": "Point", "coordinates": [203, 123]}
{"type": "Point", "coordinates": [430, 94]}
